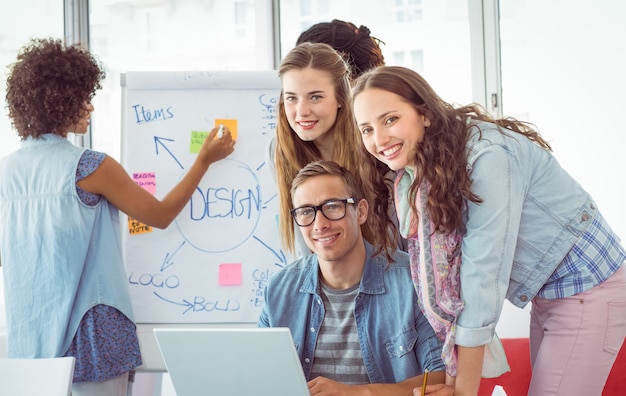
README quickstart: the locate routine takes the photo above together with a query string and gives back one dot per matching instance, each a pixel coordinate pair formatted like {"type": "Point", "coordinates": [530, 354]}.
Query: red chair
{"type": "Point", "coordinates": [517, 381]}
{"type": "Point", "coordinates": [615, 384]}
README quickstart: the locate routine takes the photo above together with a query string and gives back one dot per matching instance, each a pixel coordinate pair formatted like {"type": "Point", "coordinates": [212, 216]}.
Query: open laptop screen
{"type": "Point", "coordinates": [232, 361]}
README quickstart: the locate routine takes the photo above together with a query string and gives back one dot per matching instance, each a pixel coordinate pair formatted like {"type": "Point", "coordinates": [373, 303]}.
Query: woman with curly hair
{"type": "Point", "coordinates": [490, 214]}
{"type": "Point", "coordinates": [65, 284]}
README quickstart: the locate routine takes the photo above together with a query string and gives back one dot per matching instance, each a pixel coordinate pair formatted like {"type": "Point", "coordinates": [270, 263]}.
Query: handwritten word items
{"type": "Point", "coordinates": [144, 115]}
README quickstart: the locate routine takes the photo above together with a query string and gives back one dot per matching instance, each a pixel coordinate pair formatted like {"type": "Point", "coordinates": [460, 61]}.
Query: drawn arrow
{"type": "Point", "coordinates": [185, 303]}
{"type": "Point", "coordinates": [279, 255]}
{"type": "Point", "coordinates": [270, 199]}
{"type": "Point", "coordinates": [159, 141]}
{"type": "Point", "coordinates": [168, 260]}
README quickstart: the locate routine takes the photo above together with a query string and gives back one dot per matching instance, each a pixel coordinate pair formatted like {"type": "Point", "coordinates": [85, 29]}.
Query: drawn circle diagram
{"type": "Point", "coordinates": [225, 209]}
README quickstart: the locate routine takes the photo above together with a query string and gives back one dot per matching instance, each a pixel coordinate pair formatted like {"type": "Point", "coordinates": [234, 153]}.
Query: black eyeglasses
{"type": "Point", "coordinates": [335, 209]}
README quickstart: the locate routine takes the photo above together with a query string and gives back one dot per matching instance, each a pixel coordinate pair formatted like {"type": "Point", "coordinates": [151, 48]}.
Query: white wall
{"type": "Point", "coordinates": [3, 322]}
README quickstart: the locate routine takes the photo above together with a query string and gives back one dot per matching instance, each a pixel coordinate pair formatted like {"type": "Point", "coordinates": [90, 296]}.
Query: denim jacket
{"type": "Point", "coordinates": [532, 213]}
{"type": "Point", "coordinates": [396, 340]}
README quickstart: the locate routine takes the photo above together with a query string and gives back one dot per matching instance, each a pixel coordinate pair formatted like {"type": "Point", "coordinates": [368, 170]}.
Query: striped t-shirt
{"type": "Point", "coordinates": [338, 352]}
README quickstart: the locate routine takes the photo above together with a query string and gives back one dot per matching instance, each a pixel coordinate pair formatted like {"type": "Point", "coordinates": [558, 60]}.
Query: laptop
{"type": "Point", "coordinates": [232, 361]}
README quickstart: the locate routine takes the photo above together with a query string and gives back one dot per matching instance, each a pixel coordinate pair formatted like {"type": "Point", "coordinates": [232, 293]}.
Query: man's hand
{"type": "Point", "coordinates": [322, 386]}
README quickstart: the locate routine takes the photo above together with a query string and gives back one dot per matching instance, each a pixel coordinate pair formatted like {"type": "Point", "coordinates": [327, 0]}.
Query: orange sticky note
{"type": "Point", "coordinates": [228, 123]}
{"type": "Point", "coordinates": [230, 274]}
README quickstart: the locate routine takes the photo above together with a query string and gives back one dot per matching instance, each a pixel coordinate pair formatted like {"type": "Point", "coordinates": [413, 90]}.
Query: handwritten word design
{"type": "Point", "coordinates": [224, 210]}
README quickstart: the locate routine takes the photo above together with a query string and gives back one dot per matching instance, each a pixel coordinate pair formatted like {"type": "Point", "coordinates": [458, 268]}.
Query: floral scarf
{"type": "Point", "coordinates": [435, 268]}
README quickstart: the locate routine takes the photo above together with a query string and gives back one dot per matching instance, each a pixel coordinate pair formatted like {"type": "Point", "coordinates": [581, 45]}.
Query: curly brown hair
{"type": "Point", "coordinates": [48, 86]}
{"type": "Point", "coordinates": [292, 154]}
{"type": "Point", "coordinates": [441, 157]}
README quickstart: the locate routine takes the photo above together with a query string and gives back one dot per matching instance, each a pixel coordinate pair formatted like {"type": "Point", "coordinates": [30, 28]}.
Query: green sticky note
{"type": "Point", "coordinates": [197, 139]}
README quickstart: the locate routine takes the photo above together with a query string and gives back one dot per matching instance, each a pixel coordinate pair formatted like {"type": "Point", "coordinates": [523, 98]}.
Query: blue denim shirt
{"type": "Point", "coordinates": [396, 340]}
{"type": "Point", "coordinates": [532, 213]}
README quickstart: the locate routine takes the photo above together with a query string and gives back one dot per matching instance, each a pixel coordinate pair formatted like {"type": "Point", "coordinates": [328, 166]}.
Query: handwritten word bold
{"type": "Point", "coordinates": [200, 305]}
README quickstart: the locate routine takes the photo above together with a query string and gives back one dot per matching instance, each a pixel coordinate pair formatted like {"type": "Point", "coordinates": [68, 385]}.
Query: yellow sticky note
{"type": "Point", "coordinates": [196, 140]}
{"type": "Point", "coordinates": [137, 227]}
{"type": "Point", "coordinates": [231, 124]}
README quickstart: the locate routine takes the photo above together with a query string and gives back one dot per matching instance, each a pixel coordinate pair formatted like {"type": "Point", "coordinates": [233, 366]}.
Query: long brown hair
{"type": "Point", "coordinates": [292, 153]}
{"type": "Point", "coordinates": [441, 157]}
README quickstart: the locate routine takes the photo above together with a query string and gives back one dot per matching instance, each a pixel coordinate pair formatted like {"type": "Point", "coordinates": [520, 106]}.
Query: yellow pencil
{"type": "Point", "coordinates": [424, 382]}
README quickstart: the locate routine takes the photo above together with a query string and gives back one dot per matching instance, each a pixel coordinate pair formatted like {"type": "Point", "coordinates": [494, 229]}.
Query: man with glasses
{"type": "Point", "coordinates": [353, 315]}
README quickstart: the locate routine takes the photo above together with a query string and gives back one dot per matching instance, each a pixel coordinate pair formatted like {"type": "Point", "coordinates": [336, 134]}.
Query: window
{"type": "Point", "coordinates": [568, 80]}
{"type": "Point", "coordinates": [437, 45]}
{"type": "Point", "coordinates": [242, 10]}
{"type": "Point", "coordinates": [311, 11]}
{"type": "Point", "coordinates": [162, 35]}
{"type": "Point", "coordinates": [408, 10]}
{"type": "Point", "coordinates": [417, 60]}
{"type": "Point", "coordinates": [45, 19]}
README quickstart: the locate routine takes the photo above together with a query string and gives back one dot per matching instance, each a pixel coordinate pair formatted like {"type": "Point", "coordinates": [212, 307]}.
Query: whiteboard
{"type": "Point", "coordinates": [212, 263]}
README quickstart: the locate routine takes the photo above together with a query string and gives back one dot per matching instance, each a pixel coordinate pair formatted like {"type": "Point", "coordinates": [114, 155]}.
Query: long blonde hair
{"type": "Point", "coordinates": [292, 153]}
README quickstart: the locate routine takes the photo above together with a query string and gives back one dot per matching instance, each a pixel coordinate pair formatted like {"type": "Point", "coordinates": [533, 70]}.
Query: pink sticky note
{"type": "Point", "coordinates": [230, 274]}
{"type": "Point", "coordinates": [146, 180]}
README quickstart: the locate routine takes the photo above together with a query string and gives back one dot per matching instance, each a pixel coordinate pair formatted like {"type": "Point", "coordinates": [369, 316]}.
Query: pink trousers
{"type": "Point", "coordinates": [575, 340]}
